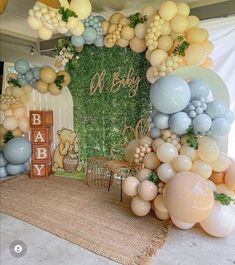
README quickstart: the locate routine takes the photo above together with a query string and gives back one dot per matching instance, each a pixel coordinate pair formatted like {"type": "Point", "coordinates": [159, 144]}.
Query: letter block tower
{"type": "Point", "coordinates": [41, 123]}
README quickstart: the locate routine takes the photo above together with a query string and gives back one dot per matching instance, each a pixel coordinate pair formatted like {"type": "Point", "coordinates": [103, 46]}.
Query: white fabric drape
{"type": "Point", "coordinates": [222, 34]}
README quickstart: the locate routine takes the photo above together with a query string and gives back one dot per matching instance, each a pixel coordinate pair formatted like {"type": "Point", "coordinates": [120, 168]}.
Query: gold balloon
{"type": "Point", "coordinates": [166, 152]}
{"type": "Point", "coordinates": [122, 43]}
{"type": "Point", "coordinates": [41, 86]}
{"type": "Point", "coordinates": [67, 78]}
{"type": "Point", "coordinates": [188, 197]}
{"type": "Point", "coordinates": [148, 11]}
{"type": "Point", "coordinates": [138, 45]}
{"type": "Point", "coordinates": [140, 207]}
{"type": "Point", "coordinates": [156, 143]}
{"type": "Point", "coordinates": [151, 161]}
{"type": "Point", "coordinates": [115, 18]}
{"type": "Point", "coordinates": [193, 22]}
{"type": "Point", "coordinates": [229, 179]}
{"type": "Point", "coordinates": [183, 9]}
{"type": "Point", "coordinates": [197, 35]}
{"type": "Point", "coordinates": [195, 54]}
{"type": "Point", "coordinates": [127, 33]}
{"type": "Point", "coordinates": [143, 174]}
{"type": "Point", "coordinates": [130, 186]}
{"type": "Point", "coordinates": [188, 151]}
{"type": "Point", "coordinates": [165, 43]}
{"type": "Point", "coordinates": [147, 190]}
{"type": "Point", "coordinates": [202, 168]}
{"type": "Point", "coordinates": [140, 30]}
{"type": "Point", "coordinates": [166, 172]}
{"type": "Point", "coordinates": [168, 10]}
{"type": "Point", "coordinates": [208, 149]}
{"type": "Point", "coordinates": [217, 177]}
{"type": "Point", "coordinates": [179, 24]}
{"type": "Point", "coordinates": [157, 57]}
{"type": "Point", "coordinates": [221, 163]}
{"type": "Point", "coordinates": [108, 44]}
{"type": "Point", "coordinates": [160, 208]}
{"type": "Point", "coordinates": [48, 75]}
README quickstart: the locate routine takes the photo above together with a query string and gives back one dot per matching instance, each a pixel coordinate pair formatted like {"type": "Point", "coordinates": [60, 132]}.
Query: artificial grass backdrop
{"type": "Point", "coordinates": [100, 119]}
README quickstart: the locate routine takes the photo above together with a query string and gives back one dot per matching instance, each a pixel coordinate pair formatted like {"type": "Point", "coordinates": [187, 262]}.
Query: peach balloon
{"type": "Point", "coordinates": [221, 163]}
{"type": "Point", "coordinates": [222, 188]}
{"type": "Point", "coordinates": [166, 172]}
{"type": "Point", "coordinates": [211, 185]}
{"type": "Point", "coordinates": [179, 24]}
{"type": "Point", "coordinates": [130, 151]}
{"type": "Point", "coordinates": [130, 186]}
{"type": "Point", "coordinates": [147, 190]}
{"type": "Point", "coordinates": [17, 132]}
{"type": "Point", "coordinates": [157, 57]}
{"type": "Point", "coordinates": [189, 151]}
{"type": "Point", "coordinates": [168, 10]}
{"type": "Point", "coordinates": [229, 179]}
{"type": "Point", "coordinates": [156, 143]}
{"type": "Point", "coordinates": [202, 168]}
{"type": "Point", "coordinates": [160, 208]}
{"type": "Point", "coordinates": [183, 9]}
{"type": "Point", "coordinates": [146, 140]}
{"type": "Point", "coordinates": [48, 75]}
{"type": "Point", "coordinates": [165, 43]}
{"type": "Point", "coordinates": [140, 30]}
{"type": "Point", "coordinates": [137, 45]}
{"type": "Point", "coordinates": [140, 207]}
{"type": "Point", "coordinates": [208, 149]}
{"type": "Point", "coordinates": [182, 163]}
{"type": "Point", "coordinates": [208, 63]}
{"type": "Point", "coordinates": [24, 124]}
{"type": "Point", "coordinates": [166, 152]}
{"type": "Point", "coordinates": [217, 177]}
{"type": "Point", "coordinates": [193, 22]}
{"type": "Point", "coordinates": [220, 222]}
{"type": "Point", "coordinates": [188, 197]}
{"type": "Point", "coordinates": [10, 123]}
{"type": "Point", "coordinates": [197, 35]}
{"type": "Point", "coordinates": [143, 174]}
{"type": "Point", "coordinates": [180, 224]}
{"type": "Point", "coordinates": [19, 112]}
{"type": "Point", "coordinates": [195, 54]}
{"type": "Point", "coordinates": [208, 46]}
{"type": "Point", "coordinates": [151, 161]}
{"type": "Point", "coordinates": [127, 33]}
{"type": "Point", "coordinates": [150, 75]}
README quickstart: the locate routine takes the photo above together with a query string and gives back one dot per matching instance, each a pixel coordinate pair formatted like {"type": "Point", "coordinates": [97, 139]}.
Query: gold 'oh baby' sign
{"type": "Point", "coordinates": [130, 81]}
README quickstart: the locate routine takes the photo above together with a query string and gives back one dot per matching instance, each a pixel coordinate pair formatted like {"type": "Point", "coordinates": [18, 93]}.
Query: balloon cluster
{"type": "Point", "coordinates": [93, 33]}
{"type": "Point", "coordinates": [68, 18]}
{"type": "Point", "coordinates": [10, 163]}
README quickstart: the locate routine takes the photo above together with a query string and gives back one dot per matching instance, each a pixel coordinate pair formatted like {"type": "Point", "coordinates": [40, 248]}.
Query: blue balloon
{"type": "Point", "coordinates": [170, 94]}
{"type": "Point", "coordinates": [77, 41]}
{"type": "Point", "coordinates": [215, 109]}
{"type": "Point", "coordinates": [36, 72]}
{"type": "Point", "coordinates": [161, 121]}
{"type": "Point", "coordinates": [202, 123]}
{"type": "Point", "coordinates": [99, 42]}
{"type": "Point", "coordinates": [90, 35]}
{"type": "Point", "coordinates": [179, 123]}
{"type": "Point", "coordinates": [68, 34]}
{"type": "Point", "coordinates": [3, 172]}
{"type": "Point", "coordinates": [3, 160]}
{"type": "Point", "coordinates": [229, 116]}
{"type": "Point", "coordinates": [220, 127]}
{"type": "Point", "coordinates": [17, 150]}
{"type": "Point", "coordinates": [23, 168]}
{"type": "Point", "coordinates": [100, 18]}
{"type": "Point", "coordinates": [155, 133]}
{"type": "Point", "coordinates": [13, 169]}
{"type": "Point", "coordinates": [22, 82]}
{"type": "Point", "coordinates": [198, 89]}
{"type": "Point", "coordinates": [22, 66]}
{"type": "Point", "coordinates": [29, 76]}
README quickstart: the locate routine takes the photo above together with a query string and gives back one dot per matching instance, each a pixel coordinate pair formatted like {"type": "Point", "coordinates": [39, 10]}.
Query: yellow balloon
{"type": "Point", "coordinates": [45, 33]}
{"type": "Point", "coordinates": [24, 124]}
{"type": "Point", "coordinates": [19, 112]}
{"type": "Point", "coordinates": [130, 186]}
{"type": "Point", "coordinates": [147, 190]}
{"type": "Point", "coordinates": [197, 35]}
{"type": "Point", "coordinates": [165, 43]}
{"type": "Point", "coordinates": [140, 207]}
{"type": "Point", "coordinates": [34, 23]}
{"type": "Point", "coordinates": [195, 54]}
{"type": "Point", "coordinates": [202, 168]}
{"type": "Point", "coordinates": [183, 9]}
{"type": "Point", "coordinates": [179, 24]}
{"type": "Point", "coordinates": [10, 123]}
{"type": "Point", "coordinates": [148, 11]}
{"type": "Point", "coordinates": [208, 149]}
{"type": "Point", "coordinates": [82, 8]}
{"type": "Point", "coordinates": [193, 22]}
{"type": "Point", "coordinates": [157, 57]}
{"type": "Point", "coordinates": [182, 163]}
{"type": "Point", "coordinates": [189, 151]}
{"type": "Point", "coordinates": [166, 28]}
{"type": "Point", "coordinates": [127, 33]}
{"type": "Point", "coordinates": [168, 10]}
{"type": "Point", "coordinates": [160, 208]}
{"type": "Point", "coordinates": [138, 45]}
{"type": "Point", "coordinates": [140, 30]}
{"type": "Point", "coordinates": [72, 23]}
{"type": "Point", "coordinates": [208, 46]}
{"type": "Point", "coordinates": [151, 161]}
{"type": "Point", "coordinates": [221, 164]}
{"type": "Point", "coordinates": [188, 197]}
{"type": "Point", "coordinates": [78, 30]}
{"type": "Point", "coordinates": [64, 30]}
{"type": "Point", "coordinates": [48, 75]}
{"type": "Point", "coordinates": [166, 152]}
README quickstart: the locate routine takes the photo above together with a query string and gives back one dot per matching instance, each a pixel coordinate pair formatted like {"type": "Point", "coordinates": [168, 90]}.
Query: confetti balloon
{"type": "Point", "coordinates": [208, 150]}
{"type": "Point", "coordinates": [130, 186]}
{"type": "Point", "coordinates": [166, 152]}
{"type": "Point", "coordinates": [147, 190]}
{"type": "Point", "coordinates": [166, 172]}
{"type": "Point", "coordinates": [201, 168]}
{"type": "Point", "coordinates": [180, 122]}
{"type": "Point", "coordinates": [22, 66]}
{"type": "Point", "coordinates": [188, 197]}
{"type": "Point", "coordinates": [140, 207]}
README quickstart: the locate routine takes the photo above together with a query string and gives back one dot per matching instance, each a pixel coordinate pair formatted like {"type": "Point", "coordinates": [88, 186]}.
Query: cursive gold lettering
{"type": "Point", "coordinates": [97, 82]}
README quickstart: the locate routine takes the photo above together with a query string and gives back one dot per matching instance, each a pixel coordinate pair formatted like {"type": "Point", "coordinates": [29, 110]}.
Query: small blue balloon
{"type": "Point", "coordinates": [99, 42]}
{"type": "Point", "coordinates": [170, 94]}
{"type": "Point", "coordinates": [29, 76]}
{"type": "Point", "coordinates": [36, 72]}
{"type": "Point", "coordinates": [161, 121]}
{"type": "Point", "coordinates": [229, 116]}
{"type": "Point", "coordinates": [22, 82]}
{"type": "Point", "coordinates": [22, 66]}
{"type": "Point", "coordinates": [220, 127]}
{"type": "Point", "coordinates": [198, 89]}
{"type": "Point", "coordinates": [13, 170]}
{"type": "Point", "coordinates": [202, 123]}
{"type": "Point", "coordinates": [215, 109]}
{"type": "Point", "coordinates": [3, 160]}
{"type": "Point", "coordinates": [17, 150]}
{"type": "Point", "coordinates": [155, 133]}
{"type": "Point", "coordinates": [3, 172]}
{"type": "Point", "coordinates": [77, 41]}
{"type": "Point", "coordinates": [179, 123]}
{"type": "Point", "coordinates": [90, 35]}
{"type": "Point", "coordinates": [68, 34]}
{"type": "Point", "coordinates": [100, 18]}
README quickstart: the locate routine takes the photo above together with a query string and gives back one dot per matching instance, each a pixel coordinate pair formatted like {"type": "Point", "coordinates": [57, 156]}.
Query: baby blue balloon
{"type": "Point", "coordinates": [29, 76]}
{"type": "Point", "coordinates": [21, 81]}
{"type": "Point", "coordinates": [179, 123]}
{"type": "Point", "coordinates": [198, 89]}
{"type": "Point", "coordinates": [229, 116]}
{"type": "Point", "coordinates": [13, 169]}
{"type": "Point", "coordinates": [99, 42]}
{"type": "Point", "coordinates": [89, 35]}
{"type": "Point", "coordinates": [215, 109]}
{"type": "Point", "coordinates": [3, 172]}
{"type": "Point", "coordinates": [170, 94]}
{"type": "Point", "coordinates": [202, 123]}
{"type": "Point", "coordinates": [3, 160]}
{"type": "Point", "coordinates": [100, 18]}
{"type": "Point", "coordinates": [17, 150]}
{"type": "Point", "coordinates": [220, 127]}
{"type": "Point", "coordinates": [161, 121]}
{"type": "Point", "coordinates": [155, 132]}
{"type": "Point", "coordinates": [22, 66]}
{"type": "Point", "coordinates": [36, 72]}
{"type": "Point", "coordinates": [77, 41]}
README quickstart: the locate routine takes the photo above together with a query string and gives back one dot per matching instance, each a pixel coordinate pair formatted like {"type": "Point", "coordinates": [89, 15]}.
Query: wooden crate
{"type": "Point", "coordinates": [41, 152]}
{"type": "Point", "coordinates": [41, 136]}
{"type": "Point", "coordinates": [40, 119]}
{"type": "Point", "coordinates": [40, 169]}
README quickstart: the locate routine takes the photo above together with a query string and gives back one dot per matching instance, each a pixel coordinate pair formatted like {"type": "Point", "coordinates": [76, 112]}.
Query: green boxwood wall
{"type": "Point", "coordinates": [100, 119]}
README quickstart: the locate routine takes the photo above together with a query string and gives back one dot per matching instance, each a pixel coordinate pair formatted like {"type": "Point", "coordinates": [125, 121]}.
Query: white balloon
{"type": "Point", "coordinates": [181, 224]}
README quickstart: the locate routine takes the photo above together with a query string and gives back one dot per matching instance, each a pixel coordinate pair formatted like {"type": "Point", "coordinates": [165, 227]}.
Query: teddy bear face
{"type": "Point", "coordinates": [67, 135]}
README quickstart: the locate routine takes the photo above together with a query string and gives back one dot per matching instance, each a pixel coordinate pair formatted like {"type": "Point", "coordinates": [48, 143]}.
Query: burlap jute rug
{"type": "Point", "coordinates": [92, 218]}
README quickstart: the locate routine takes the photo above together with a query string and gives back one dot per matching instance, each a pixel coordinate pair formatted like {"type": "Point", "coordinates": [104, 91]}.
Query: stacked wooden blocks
{"type": "Point", "coordinates": [41, 123]}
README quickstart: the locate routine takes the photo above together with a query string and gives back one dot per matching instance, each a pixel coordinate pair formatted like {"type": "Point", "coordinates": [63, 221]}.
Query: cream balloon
{"type": "Point", "coordinates": [62, 30]}
{"type": "Point", "coordinates": [156, 143]}
{"type": "Point", "coordinates": [147, 190]}
{"type": "Point", "coordinates": [183, 9]}
{"type": "Point", "coordinates": [34, 23]}
{"type": "Point", "coordinates": [197, 35]}
{"type": "Point", "coordinates": [189, 151]}
{"type": "Point", "coordinates": [72, 23]}
{"type": "Point", "coordinates": [179, 24]}
{"type": "Point", "coordinates": [211, 185]}
{"type": "Point", "coordinates": [157, 57]}
{"type": "Point", "coordinates": [221, 164]}
{"type": "Point", "coordinates": [140, 207]}
{"type": "Point", "coordinates": [130, 186]}
{"type": "Point", "coordinates": [27, 89]}
{"type": "Point", "coordinates": [208, 46]}
{"type": "Point", "coordinates": [8, 112]}
{"type": "Point", "coordinates": [17, 92]}
{"type": "Point", "coordinates": [180, 224]}
{"type": "Point", "coordinates": [23, 124]}
{"type": "Point", "coordinates": [166, 28]}
{"type": "Point", "coordinates": [208, 63]}
{"type": "Point", "coordinates": [166, 152]}
{"type": "Point", "coordinates": [193, 21]}
{"type": "Point", "coordinates": [160, 208]}
{"type": "Point", "coordinates": [78, 30]}
{"type": "Point", "coordinates": [165, 43]}
{"type": "Point", "coordinates": [140, 30]}
{"type": "Point", "coordinates": [166, 172]}
{"type": "Point", "coordinates": [10, 123]}
{"type": "Point", "coordinates": [151, 161]}
{"type": "Point", "coordinates": [127, 33]}
{"type": "Point", "coordinates": [82, 8]}
{"type": "Point", "coordinates": [168, 10]}
{"type": "Point", "coordinates": [208, 150]}
{"type": "Point", "coordinates": [222, 188]}
{"type": "Point", "coordinates": [19, 112]}
{"type": "Point", "coordinates": [148, 11]}
{"type": "Point", "coordinates": [182, 163]}
{"type": "Point", "coordinates": [229, 179]}
{"type": "Point", "coordinates": [202, 168]}
{"type": "Point", "coordinates": [44, 33]}
{"type": "Point", "coordinates": [195, 54]}
{"type": "Point", "coordinates": [143, 174]}
{"type": "Point", "coordinates": [220, 222]}
{"type": "Point", "coordinates": [150, 75]}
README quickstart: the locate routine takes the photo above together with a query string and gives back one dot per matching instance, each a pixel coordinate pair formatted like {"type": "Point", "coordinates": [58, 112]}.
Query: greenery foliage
{"type": "Point", "coordinates": [100, 119]}
{"type": "Point", "coordinates": [8, 136]}
{"type": "Point", "coordinates": [192, 138]}
{"type": "Point", "coordinates": [136, 19]}
{"type": "Point", "coordinates": [223, 198]}
{"type": "Point", "coordinates": [66, 14]}
{"type": "Point", "coordinates": [13, 82]}
{"type": "Point", "coordinates": [181, 47]}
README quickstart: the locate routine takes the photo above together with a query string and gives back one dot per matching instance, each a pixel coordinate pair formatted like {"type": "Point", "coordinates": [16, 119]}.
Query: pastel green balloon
{"type": "Point", "coordinates": [99, 42]}
{"type": "Point", "coordinates": [77, 41]}
{"type": "Point", "coordinates": [13, 170]}
{"type": "Point", "coordinates": [90, 35]}
{"type": "Point", "coordinates": [155, 132]}
{"type": "Point", "coordinates": [29, 76]}
{"type": "Point", "coordinates": [170, 94]}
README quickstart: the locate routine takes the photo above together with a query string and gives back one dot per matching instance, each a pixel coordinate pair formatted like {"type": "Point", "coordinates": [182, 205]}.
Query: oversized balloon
{"type": "Point", "coordinates": [180, 224]}
{"type": "Point", "coordinates": [170, 94]}
{"type": "Point", "coordinates": [140, 207]}
{"type": "Point", "coordinates": [130, 186]}
{"type": "Point", "coordinates": [188, 197]}
{"type": "Point", "coordinates": [19, 146]}
{"type": "Point", "coordinates": [147, 190]}
{"type": "Point", "coordinates": [22, 66]}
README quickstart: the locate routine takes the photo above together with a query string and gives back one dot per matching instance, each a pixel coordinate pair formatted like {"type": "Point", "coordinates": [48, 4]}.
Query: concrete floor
{"type": "Point", "coordinates": [192, 247]}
